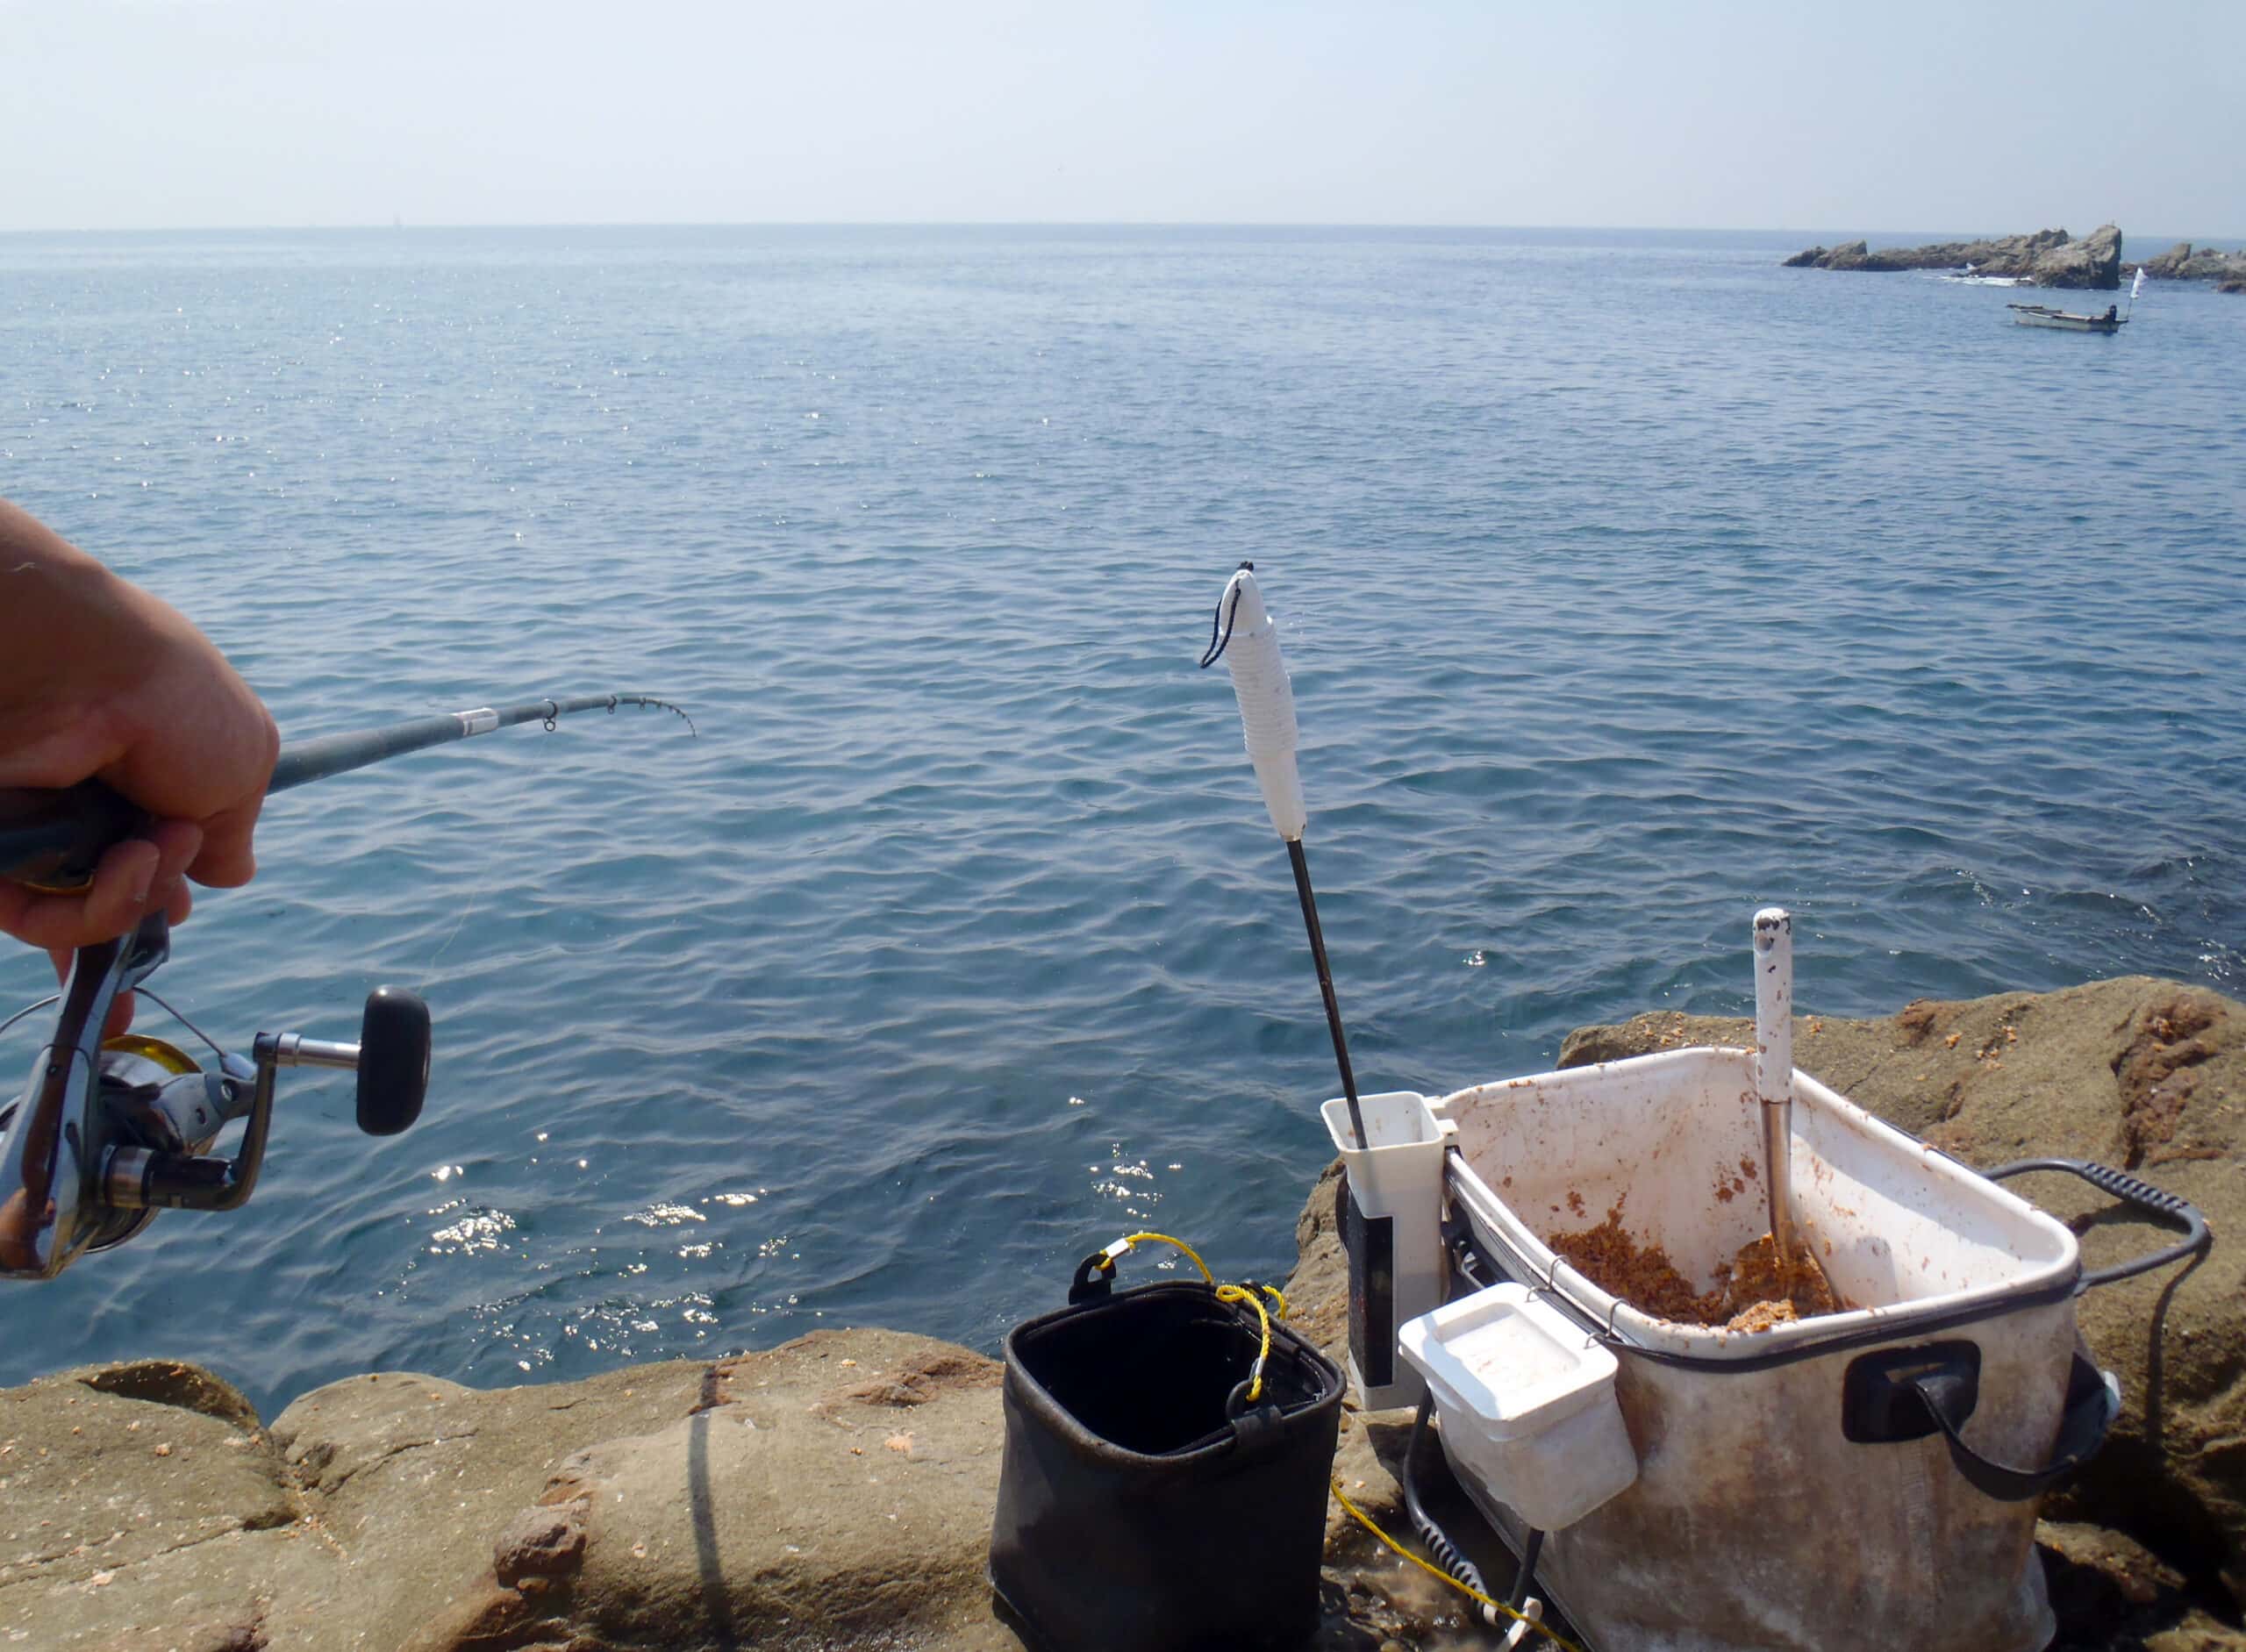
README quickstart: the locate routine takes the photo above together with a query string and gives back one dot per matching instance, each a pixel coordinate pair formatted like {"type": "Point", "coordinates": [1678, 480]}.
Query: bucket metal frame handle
{"type": "Point", "coordinates": [2158, 1202]}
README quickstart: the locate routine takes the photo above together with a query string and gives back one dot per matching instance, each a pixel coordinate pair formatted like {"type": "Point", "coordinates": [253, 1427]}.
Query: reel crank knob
{"type": "Point", "coordinates": [393, 1060]}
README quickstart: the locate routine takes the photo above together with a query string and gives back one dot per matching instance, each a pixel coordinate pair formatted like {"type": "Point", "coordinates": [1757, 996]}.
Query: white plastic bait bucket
{"type": "Point", "coordinates": [1791, 1490]}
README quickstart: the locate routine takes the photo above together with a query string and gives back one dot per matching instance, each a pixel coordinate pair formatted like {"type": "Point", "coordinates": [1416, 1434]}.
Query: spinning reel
{"type": "Point", "coordinates": [109, 1132]}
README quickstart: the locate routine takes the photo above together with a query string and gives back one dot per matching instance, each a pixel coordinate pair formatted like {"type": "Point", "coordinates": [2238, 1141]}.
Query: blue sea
{"type": "Point", "coordinates": [1628, 581]}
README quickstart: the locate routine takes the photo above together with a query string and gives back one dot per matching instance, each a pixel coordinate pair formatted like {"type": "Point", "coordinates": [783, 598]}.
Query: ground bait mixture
{"type": "Point", "coordinates": [1754, 1292]}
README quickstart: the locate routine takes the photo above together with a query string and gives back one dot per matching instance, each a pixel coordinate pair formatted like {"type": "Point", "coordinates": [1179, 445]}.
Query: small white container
{"type": "Point", "coordinates": [1527, 1405]}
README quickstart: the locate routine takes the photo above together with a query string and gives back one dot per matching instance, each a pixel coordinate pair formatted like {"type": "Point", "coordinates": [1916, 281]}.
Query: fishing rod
{"type": "Point", "coordinates": [108, 1131]}
{"type": "Point", "coordinates": [51, 841]}
{"type": "Point", "coordinates": [1250, 648]}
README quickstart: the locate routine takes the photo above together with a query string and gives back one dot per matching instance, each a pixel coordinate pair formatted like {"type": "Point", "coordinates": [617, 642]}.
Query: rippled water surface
{"type": "Point", "coordinates": [1629, 584]}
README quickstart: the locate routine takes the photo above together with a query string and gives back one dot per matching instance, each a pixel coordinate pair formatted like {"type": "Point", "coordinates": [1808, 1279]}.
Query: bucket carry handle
{"type": "Point", "coordinates": [2158, 1202]}
{"type": "Point", "coordinates": [1256, 1421]}
{"type": "Point", "coordinates": [1907, 1393]}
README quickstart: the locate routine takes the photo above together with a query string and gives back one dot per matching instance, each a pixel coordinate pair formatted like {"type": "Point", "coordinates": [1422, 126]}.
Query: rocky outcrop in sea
{"type": "Point", "coordinates": [2184, 263]}
{"type": "Point", "coordinates": [837, 1491]}
{"type": "Point", "coordinates": [2049, 258]}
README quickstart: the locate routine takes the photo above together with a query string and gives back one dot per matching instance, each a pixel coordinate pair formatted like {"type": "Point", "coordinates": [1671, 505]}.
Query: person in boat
{"type": "Point", "coordinates": [2112, 311]}
{"type": "Point", "coordinates": [101, 680]}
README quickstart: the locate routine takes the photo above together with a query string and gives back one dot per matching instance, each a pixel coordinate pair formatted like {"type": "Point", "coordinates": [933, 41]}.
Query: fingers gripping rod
{"type": "Point", "coordinates": [1249, 646]}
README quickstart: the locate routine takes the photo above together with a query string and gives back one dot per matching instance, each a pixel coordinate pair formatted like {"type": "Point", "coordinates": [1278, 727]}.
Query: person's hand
{"type": "Point", "coordinates": [99, 679]}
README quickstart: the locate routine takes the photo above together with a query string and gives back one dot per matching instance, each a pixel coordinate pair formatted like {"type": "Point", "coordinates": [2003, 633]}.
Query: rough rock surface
{"type": "Point", "coordinates": [2094, 262]}
{"type": "Point", "coordinates": [2143, 1074]}
{"type": "Point", "coordinates": [2168, 266]}
{"type": "Point", "coordinates": [2048, 257]}
{"type": "Point", "coordinates": [2181, 262]}
{"type": "Point", "coordinates": [833, 1491]}
{"type": "Point", "coordinates": [837, 1491]}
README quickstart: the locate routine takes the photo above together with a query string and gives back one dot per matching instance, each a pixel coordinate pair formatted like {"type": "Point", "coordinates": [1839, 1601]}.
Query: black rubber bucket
{"type": "Point", "coordinates": [1143, 1506]}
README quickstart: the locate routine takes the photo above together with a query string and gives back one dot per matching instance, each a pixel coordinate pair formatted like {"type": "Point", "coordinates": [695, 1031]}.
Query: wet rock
{"type": "Point", "coordinates": [2048, 257]}
{"type": "Point", "coordinates": [2093, 262]}
{"type": "Point", "coordinates": [2002, 255]}
{"type": "Point", "coordinates": [2168, 266]}
{"type": "Point", "coordinates": [1847, 256]}
{"type": "Point", "coordinates": [2182, 262]}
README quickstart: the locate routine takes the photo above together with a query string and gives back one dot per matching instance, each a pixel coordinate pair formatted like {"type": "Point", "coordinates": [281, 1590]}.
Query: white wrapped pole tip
{"type": "Point", "coordinates": [1774, 1004]}
{"type": "Point", "coordinates": [1267, 703]}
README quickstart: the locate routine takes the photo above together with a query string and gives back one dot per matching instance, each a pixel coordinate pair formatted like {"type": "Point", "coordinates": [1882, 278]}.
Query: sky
{"type": "Point", "coordinates": [1961, 117]}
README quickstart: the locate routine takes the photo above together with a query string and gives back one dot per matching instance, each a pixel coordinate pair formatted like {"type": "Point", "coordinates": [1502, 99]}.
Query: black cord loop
{"type": "Point", "coordinates": [1216, 648]}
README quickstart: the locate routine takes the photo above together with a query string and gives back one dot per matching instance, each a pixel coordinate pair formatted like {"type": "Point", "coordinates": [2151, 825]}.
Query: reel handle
{"type": "Point", "coordinates": [393, 1042]}
{"type": "Point", "coordinates": [391, 1058]}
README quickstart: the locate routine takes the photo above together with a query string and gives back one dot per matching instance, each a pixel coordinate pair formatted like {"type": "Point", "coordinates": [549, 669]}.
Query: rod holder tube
{"type": "Point", "coordinates": [1391, 1222]}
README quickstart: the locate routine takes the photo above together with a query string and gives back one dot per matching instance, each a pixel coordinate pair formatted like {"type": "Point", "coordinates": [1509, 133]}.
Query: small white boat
{"type": "Point", "coordinates": [2044, 316]}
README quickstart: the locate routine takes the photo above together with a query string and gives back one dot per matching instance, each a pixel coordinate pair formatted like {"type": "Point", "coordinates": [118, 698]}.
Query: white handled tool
{"type": "Point", "coordinates": [1247, 639]}
{"type": "Point", "coordinates": [1774, 1065]}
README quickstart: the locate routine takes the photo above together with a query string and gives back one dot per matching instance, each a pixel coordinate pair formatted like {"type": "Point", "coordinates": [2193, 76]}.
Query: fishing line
{"type": "Point", "coordinates": [146, 992]}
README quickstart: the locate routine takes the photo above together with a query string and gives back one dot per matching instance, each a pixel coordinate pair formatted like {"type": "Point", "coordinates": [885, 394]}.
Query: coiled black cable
{"type": "Point", "coordinates": [1448, 1555]}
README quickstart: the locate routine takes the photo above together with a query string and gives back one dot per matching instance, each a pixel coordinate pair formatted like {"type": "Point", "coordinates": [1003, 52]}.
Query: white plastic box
{"type": "Point", "coordinates": [1526, 1404]}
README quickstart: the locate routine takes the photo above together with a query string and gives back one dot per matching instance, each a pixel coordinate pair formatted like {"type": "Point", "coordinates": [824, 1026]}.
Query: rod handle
{"type": "Point", "coordinates": [52, 839]}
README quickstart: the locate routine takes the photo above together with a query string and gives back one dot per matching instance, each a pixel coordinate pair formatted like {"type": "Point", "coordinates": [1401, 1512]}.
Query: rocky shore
{"type": "Point", "coordinates": [2184, 263]}
{"type": "Point", "coordinates": [837, 1491]}
{"type": "Point", "coordinates": [2049, 258]}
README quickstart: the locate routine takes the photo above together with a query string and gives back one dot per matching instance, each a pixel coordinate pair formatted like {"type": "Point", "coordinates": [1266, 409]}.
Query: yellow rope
{"type": "Point", "coordinates": [1365, 1520]}
{"type": "Point", "coordinates": [1129, 1240]}
{"type": "Point", "coordinates": [1225, 1294]}
{"type": "Point", "coordinates": [1240, 1293]}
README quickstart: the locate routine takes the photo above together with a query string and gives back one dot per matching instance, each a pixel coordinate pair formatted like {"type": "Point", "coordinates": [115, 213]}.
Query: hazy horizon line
{"type": "Point", "coordinates": [399, 225]}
